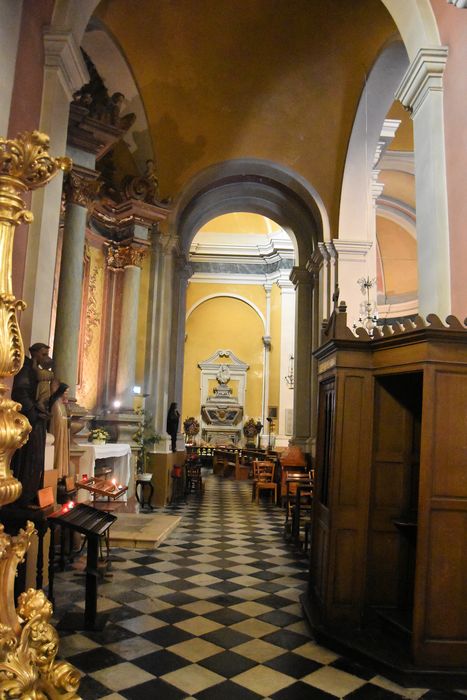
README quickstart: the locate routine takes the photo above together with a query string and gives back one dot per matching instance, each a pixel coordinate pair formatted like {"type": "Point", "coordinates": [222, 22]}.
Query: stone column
{"type": "Point", "coordinates": [81, 190]}
{"type": "Point", "coordinates": [129, 259]}
{"type": "Point", "coordinates": [64, 72]}
{"type": "Point", "coordinates": [421, 92]}
{"type": "Point", "coordinates": [315, 267]}
{"type": "Point", "coordinates": [159, 337]}
{"type": "Point", "coordinates": [303, 283]}
{"type": "Point", "coordinates": [286, 394]}
{"type": "Point", "coordinates": [183, 272]}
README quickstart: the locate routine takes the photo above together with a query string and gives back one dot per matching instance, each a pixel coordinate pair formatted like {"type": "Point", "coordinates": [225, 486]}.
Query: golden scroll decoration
{"type": "Point", "coordinates": [28, 642]}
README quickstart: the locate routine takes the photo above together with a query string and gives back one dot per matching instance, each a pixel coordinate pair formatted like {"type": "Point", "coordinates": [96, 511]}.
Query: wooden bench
{"type": "Point", "coordinates": [226, 461]}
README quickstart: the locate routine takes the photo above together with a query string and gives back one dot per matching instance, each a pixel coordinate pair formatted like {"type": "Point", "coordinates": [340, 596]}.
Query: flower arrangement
{"type": "Point", "coordinates": [191, 426]}
{"type": "Point", "coordinates": [99, 435]}
{"type": "Point", "coordinates": [145, 437]}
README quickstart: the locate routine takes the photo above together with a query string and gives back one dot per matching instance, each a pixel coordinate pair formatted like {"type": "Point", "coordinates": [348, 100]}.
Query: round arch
{"type": "Point", "coordinates": [256, 186]}
{"type": "Point", "coordinates": [238, 297]}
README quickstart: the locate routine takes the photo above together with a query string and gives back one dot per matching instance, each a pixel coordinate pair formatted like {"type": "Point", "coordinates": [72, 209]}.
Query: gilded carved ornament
{"type": "Point", "coordinates": [28, 642]}
{"type": "Point", "coordinates": [82, 189]}
{"type": "Point", "coordinates": [119, 257]}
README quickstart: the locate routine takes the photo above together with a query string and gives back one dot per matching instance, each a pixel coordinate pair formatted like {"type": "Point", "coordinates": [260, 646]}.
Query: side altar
{"type": "Point", "coordinates": [223, 385]}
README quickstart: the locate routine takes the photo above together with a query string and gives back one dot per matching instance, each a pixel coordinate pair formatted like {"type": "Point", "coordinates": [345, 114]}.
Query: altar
{"type": "Point", "coordinates": [117, 455]}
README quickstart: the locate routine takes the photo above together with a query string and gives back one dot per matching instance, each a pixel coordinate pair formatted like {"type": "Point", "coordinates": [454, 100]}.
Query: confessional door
{"type": "Point", "coordinates": [392, 531]}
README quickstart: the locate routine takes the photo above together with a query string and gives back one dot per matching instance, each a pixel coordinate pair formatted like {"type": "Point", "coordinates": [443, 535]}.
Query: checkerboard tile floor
{"type": "Point", "coordinates": [213, 613]}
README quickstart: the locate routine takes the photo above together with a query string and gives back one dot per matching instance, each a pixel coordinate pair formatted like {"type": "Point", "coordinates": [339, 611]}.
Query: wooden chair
{"type": "Point", "coordinates": [265, 480]}
{"type": "Point", "coordinates": [256, 465]}
{"type": "Point", "coordinates": [193, 478]}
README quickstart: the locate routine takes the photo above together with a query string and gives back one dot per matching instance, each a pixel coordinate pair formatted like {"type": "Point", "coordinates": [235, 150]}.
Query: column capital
{"type": "Point", "coordinates": [63, 54]}
{"type": "Point", "coordinates": [267, 288]}
{"type": "Point", "coordinates": [423, 76]}
{"type": "Point", "coordinates": [82, 186]}
{"type": "Point", "coordinates": [351, 250]}
{"type": "Point", "coordinates": [315, 263]}
{"type": "Point", "coordinates": [299, 276]}
{"type": "Point", "coordinates": [118, 257]}
{"type": "Point", "coordinates": [461, 4]}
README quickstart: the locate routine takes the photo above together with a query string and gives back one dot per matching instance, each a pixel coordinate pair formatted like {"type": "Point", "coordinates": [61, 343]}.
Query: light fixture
{"type": "Point", "coordinates": [117, 404]}
{"type": "Point", "coordinates": [289, 378]}
{"type": "Point", "coordinates": [137, 390]}
{"type": "Point", "coordinates": [368, 311]}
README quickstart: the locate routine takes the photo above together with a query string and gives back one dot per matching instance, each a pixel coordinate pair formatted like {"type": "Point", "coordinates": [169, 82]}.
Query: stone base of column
{"type": "Point", "coordinates": [305, 444]}
{"type": "Point", "coordinates": [282, 440]}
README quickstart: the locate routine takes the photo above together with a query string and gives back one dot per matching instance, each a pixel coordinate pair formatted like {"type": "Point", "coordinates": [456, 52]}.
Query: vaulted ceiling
{"type": "Point", "coordinates": [270, 79]}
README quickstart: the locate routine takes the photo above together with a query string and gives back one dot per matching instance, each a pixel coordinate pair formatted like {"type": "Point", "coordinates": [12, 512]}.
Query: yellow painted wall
{"type": "Point", "coordinates": [223, 323]}
{"type": "Point", "coordinates": [227, 323]}
{"type": "Point", "coordinates": [254, 292]}
{"type": "Point", "coordinates": [398, 250]}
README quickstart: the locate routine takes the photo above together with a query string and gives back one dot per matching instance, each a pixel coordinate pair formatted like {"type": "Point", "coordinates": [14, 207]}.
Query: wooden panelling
{"type": "Point", "coordinates": [446, 609]}
{"type": "Point", "coordinates": [383, 585]}
{"type": "Point", "coordinates": [319, 560]}
{"type": "Point", "coordinates": [345, 568]}
{"type": "Point", "coordinates": [389, 483]}
{"type": "Point", "coordinates": [450, 428]}
{"type": "Point", "coordinates": [352, 428]}
{"type": "Point", "coordinates": [390, 515]}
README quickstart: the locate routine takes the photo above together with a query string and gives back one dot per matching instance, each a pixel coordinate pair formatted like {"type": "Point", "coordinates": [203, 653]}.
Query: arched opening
{"type": "Point", "coordinates": [263, 189]}
{"type": "Point", "coordinates": [240, 309]}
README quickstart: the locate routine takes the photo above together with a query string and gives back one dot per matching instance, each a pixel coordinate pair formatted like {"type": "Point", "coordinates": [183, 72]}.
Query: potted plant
{"type": "Point", "coordinates": [99, 436]}
{"type": "Point", "coordinates": [145, 438]}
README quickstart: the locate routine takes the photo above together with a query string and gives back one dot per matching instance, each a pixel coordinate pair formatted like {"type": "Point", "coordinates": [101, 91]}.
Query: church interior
{"type": "Point", "coordinates": [233, 328]}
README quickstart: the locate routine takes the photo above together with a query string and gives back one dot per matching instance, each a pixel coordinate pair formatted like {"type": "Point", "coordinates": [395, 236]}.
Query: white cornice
{"type": "Point", "coordinates": [63, 54]}
{"type": "Point", "coordinates": [423, 76]}
{"type": "Point", "coordinates": [240, 278]}
{"type": "Point", "coordinates": [351, 250]}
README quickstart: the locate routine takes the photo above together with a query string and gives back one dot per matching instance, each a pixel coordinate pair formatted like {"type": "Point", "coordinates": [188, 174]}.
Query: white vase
{"type": "Point", "coordinates": [98, 441]}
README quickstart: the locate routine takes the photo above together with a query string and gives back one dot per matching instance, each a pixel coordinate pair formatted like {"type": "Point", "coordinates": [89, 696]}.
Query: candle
{"type": "Point", "coordinates": [84, 477]}
{"type": "Point", "coordinates": [120, 486]}
{"type": "Point", "coordinates": [70, 505]}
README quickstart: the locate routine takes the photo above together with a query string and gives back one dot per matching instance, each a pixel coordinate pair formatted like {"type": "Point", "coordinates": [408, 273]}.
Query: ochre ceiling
{"type": "Point", "coordinates": [272, 79]}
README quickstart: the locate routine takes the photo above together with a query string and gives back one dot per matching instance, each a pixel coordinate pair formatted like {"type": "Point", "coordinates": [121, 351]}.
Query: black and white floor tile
{"type": "Point", "coordinates": [213, 613]}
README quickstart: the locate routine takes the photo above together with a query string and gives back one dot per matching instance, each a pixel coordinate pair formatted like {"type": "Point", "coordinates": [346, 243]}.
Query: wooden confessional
{"type": "Point", "coordinates": [388, 570]}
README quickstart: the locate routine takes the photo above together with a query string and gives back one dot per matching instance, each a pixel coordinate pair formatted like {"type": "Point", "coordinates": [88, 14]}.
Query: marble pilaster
{"type": "Point", "coordinates": [182, 274]}
{"type": "Point", "coordinates": [421, 92]}
{"type": "Point", "coordinates": [354, 259]}
{"type": "Point", "coordinates": [81, 189]}
{"type": "Point", "coordinates": [287, 350]}
{"type": "Point", "coordinates": [303, 283]}
{"type": "Point", "coordinates": [266, 356]}
{"type": "Point", "coordinates": [160, 337]}
{"type": "Point", "coordinates": [129, 260]}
